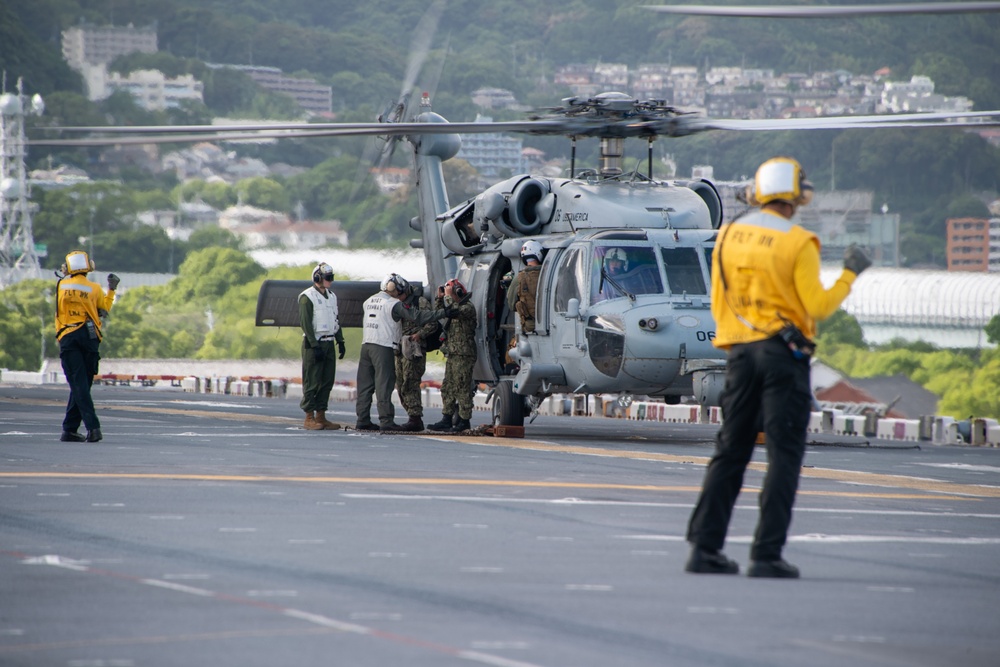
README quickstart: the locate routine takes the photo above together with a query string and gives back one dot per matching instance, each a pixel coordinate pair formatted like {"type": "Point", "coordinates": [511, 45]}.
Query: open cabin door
{"type": "Point", "coordinates": [278, 301]}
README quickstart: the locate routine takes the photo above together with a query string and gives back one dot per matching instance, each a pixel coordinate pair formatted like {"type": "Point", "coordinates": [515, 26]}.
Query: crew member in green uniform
{"type": "Point", "coordinates": [523, 290]}
{"type": "Point", "coordinates": [457, 389]}
{"type": "Point", "coordinates": [411, 360]}
{"type": "Point", "coordinates": [319, 318]}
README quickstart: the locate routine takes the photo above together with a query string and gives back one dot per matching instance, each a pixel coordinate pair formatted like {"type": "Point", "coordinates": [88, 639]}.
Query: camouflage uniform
{"type": "Point", "coordinates": [410, 371]}
{"type": "Point", "coordinates": [457, 390]}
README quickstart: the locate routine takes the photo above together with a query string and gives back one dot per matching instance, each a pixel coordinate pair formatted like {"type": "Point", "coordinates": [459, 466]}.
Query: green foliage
{"type": "Point", "coordinates": [89, 216]}
{"type": "Point", "coordinates": [979, 392]}
{"type": "Point", "coordinates": [208, 274]}
{"type": "Point", "coordinates": [968, 382]}
{"type": "Point", "coordinates": [993, 330]}
{"type": "Point", "coordinates": [968, 206]}
{"type": "Point", "coordinates": [24, 55]}
{"type": "Point", "coordinates": [840, 328]}
{"type": "Point", "coordinates": [263, 193]}
{"type": "Point", "coordinates": [212, 237]}
{"type": "Point", "coordinates": [229, 90]}
{"type": "Point", "coordinates": [217, 194]}
{"type": "Point", "coordinates": [27, 319]}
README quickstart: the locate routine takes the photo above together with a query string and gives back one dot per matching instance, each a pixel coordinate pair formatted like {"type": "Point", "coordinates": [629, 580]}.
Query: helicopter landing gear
{"type": "Point", "coordinates": [508, 407]}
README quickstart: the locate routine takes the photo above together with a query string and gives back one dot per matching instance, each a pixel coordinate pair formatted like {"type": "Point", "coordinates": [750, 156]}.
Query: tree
{"type": "Point", "coordinates": [212, 237]}
{"type": "Point", "coordinates": [85, 216]}
{"type": "Point", "coordinates": [993, 330]}
{"type": "Point", "coordinates": [841, 328]}
{"type": "Point", "coordinates": [967, 206]}
{"type": "Point", "coordinates": [27, 313]}
{"type": "Point", "coordinates": [228, 90]}
{"type": "Point", "coordinates": [143, 249]}
{"type": "Point", "coordinates": [263, 193]}
{"type": "Point", "coordinates": [207, 274]}
{"type": "Point", "coordinates": [217, 194]}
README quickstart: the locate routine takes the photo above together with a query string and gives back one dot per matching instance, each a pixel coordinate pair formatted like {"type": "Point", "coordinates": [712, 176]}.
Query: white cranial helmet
{"type": "Point", "coordinates": [617, 255]}
{"type": "Point", "coordinates": [531, 250]}
{"type": "Point", "coordinates": [395, 284]}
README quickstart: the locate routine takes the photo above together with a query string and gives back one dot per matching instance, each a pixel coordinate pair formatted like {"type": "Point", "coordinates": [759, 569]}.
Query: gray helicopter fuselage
{"type": "Point", "coordinates": [646, 330]}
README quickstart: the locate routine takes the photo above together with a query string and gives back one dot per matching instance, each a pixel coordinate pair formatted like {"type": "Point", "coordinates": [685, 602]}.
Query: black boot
{"type": "Point", "coordinates": [72, 436]}
{"type": "Point", "coordinates": [95, 435]}
{"type": "Point", "coordinates": [461, 425]}
{"type": "Point", "coordinates": [413, 425]}
{"type": "Point", "coordinates": [444, 425]}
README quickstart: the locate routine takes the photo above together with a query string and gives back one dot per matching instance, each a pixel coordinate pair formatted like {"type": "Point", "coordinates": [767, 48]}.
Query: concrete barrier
{"type": "Point", "coordinates": [681, 413]}
{"type": "Point", "coordinates": [815, 422]}
{"type": "Point", "coordinates": [848, 424]}
{"type": "Point", "coordinates": [941, 430]}
{"type": "Point", "coordinates": [898, 429]}
{"type": "Point", "coordinates": [981, 430]}
{"type": "Point", "coordinates": [993, 436]}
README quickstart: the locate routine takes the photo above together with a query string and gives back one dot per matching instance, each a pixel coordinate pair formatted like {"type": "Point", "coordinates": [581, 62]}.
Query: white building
{"type": "Point", "coordinates": [945, 308]}
{"type": "Point", "coordinates": [99, 45]}
{"type": "Point", "coordinates": [152, 89]}
{"type": "Point", "coordinates": [493, 154]}
{"type": "Point", "coordinates": [918, 96]}
{"type": "Point", "coordinates": [494, 98]}
{"type": "Point", "coordinates": [307, 93]}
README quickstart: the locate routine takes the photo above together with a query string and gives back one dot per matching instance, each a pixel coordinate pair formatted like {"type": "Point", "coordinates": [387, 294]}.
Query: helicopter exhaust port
{"type": "Point", "coordinates": [531, 206]}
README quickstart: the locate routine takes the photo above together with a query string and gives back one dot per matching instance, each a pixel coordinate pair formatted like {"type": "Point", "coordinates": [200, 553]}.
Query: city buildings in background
{"type": "Point", "coordinates": [311, 96]}
{"type": "Point", "coordinates": [973, 244]}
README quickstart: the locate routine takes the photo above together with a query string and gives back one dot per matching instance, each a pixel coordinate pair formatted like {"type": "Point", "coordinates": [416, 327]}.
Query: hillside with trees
{"type": "Point", "coordinates": [361, 51]}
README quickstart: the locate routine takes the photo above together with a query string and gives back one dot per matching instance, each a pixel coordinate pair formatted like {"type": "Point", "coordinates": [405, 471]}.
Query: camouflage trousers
{"type": "Point", "coordinates": [409, 374]}
{"type": "Point", "coordinates": [457, 390]}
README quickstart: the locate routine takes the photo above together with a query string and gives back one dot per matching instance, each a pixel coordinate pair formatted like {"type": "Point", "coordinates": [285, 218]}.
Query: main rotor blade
{"type": "Point", "coordinates": [930, 119]}
{"type": "Point", "coordinates": [420, 46]}
{"type": "Point", "coordinates": [830, 11]}
{"type": "Point", "coordinates": [674, 126]}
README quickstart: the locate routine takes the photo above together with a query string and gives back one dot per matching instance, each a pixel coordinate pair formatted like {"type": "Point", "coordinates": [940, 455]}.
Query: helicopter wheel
{"type": "Point", "coordinates": [508, 407]}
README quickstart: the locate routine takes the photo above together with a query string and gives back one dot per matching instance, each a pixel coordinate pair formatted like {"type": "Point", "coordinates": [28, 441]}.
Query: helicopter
{"type": "Point", "coordinates": [647, 331]}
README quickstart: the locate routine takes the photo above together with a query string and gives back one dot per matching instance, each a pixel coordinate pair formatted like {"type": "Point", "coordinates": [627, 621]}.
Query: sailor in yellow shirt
{"type": "Point", "coordinates": [766, 300]}
{"type": "Point", "coordinates": [80, 306]}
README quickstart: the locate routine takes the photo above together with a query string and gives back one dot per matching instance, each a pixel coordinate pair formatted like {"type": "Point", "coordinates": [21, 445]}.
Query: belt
{"type": "Point", "coordinates": [323, 339]}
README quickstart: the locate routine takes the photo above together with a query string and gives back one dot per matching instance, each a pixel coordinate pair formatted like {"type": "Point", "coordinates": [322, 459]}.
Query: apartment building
{"type": "Point", "coordinates": [98, 45]}
{"type": "Point", "coordinates": [973, 244]}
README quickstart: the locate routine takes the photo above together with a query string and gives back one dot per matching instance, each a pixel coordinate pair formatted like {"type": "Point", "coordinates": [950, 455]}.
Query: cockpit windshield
{"type": "Point", "coordinates": [623, 271]}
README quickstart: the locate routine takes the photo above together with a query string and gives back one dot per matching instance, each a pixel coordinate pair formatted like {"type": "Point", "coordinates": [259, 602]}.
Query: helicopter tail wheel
{"type": "Point", "coordinates": [508, 407]}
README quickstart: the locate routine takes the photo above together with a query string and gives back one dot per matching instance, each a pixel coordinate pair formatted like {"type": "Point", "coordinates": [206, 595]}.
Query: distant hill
{"type": "Point", "coordinates": [362, 48]}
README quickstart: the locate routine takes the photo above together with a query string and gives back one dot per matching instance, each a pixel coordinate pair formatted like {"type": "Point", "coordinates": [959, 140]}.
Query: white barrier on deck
{"type": "Point", "coordinates": [940, 430]}
{"type": "Point", "coordinates": [898, 429]}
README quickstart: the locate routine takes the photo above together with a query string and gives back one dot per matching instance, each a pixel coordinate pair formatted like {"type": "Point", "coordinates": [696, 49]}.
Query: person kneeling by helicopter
{"type": "Point", "coordinates": [381, 336]}
{"type": "Point", "coordinates": [456, 390]}
{"type": "Point", "coordinates": [766, 300]}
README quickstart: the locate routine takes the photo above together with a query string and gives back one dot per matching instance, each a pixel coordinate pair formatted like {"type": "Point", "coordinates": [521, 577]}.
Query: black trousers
{"type": "Point", "coordinates": [80, 357]}
{"type": "Point", "coordinates": [765, 385]}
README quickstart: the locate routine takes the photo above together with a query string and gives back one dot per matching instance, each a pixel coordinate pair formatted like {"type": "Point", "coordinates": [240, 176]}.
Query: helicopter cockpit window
{"type": "Point", "coordinates": [568, 280]}
{"type": "Point", "coordinates": [623, 271]}
{"type": "Point", "coordinates": [684, 271]}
